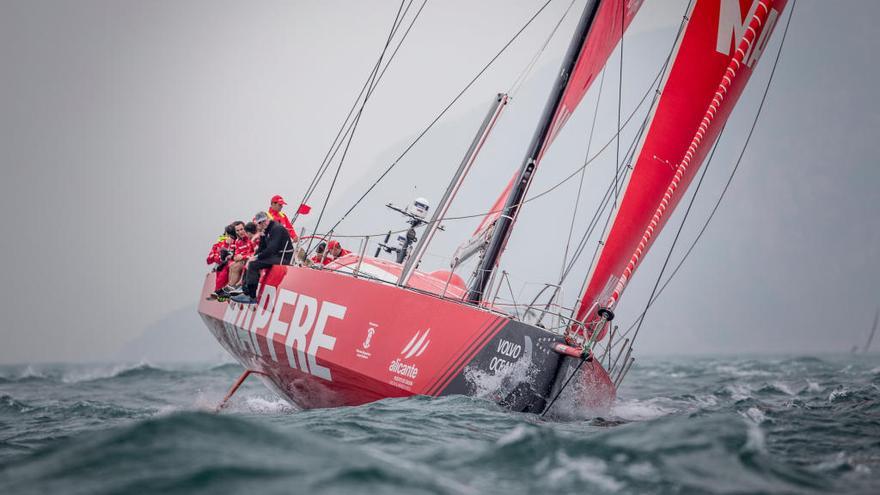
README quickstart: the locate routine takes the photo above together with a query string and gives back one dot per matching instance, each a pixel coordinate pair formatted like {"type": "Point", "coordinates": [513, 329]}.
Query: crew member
{"type": "Point", "coordinates": [333, 250]}
{"type": "Point", "coordinates": [220, 255]}
{"type": "Point", "coordinates": [318, 258]}
{"type": "Point", "coordinates": [244, 249]}
{"type": "Point", "coordinates": [253, 234]}
{"type": "Point", "coordinates": [275, 213]}
{"type": "Point", "coordinates": [271, 251]}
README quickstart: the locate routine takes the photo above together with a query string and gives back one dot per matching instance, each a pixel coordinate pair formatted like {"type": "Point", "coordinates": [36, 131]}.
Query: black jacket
{"type": "Point", "coordinates": [273, 243]}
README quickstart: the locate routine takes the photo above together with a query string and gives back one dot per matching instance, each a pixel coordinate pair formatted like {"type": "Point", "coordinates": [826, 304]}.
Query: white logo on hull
{"type": "Point", "coordinates": [416, 346]}
{"type": "Point", "coordinates": [363, 353]}
{"type": "Point", "coordinates": [407, 372]}
{"type": "Point", "coordinates": [506, 354]}
{"type": "Point", "coordinates": [296, 319]}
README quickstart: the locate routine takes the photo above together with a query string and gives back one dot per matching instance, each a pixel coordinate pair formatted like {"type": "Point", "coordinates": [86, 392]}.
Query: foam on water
{"type": "Point", "coordinates": [637, 410]}
{"type": "Point", "coordinates": [721, 426]}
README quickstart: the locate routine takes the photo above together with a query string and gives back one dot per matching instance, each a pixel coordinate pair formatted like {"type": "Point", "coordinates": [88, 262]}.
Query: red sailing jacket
{"type": "Point", "coordinates": [281, 218]}
{"type": "Point", "coordinates": [244, 247]}
{"type": "Point", "coordinates": [214, 255]}
{"type": "Point", "coordinates": [327, 259]}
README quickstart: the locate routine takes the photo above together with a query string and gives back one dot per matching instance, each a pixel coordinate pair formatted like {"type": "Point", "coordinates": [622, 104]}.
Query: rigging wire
{"type": "Point", "coordinates": [687, 212]}
{"type": "Point", "coordinates": [651, 89]}
{"type": "Point", "coordinates": [398, 20]}
{"type": "Point", "coordinates": [654, 297]}
{"type": "Point", "coordinates": [583, 173]}
{"type": "Point", "coordinates": [619, 100]}
{"type": "Point", "coordinates": [517, 83]}
{"type": "Point", "coordinates": [348, 127]}
{"type": "Point", "coordinates": [630, 153]}
{"type": "Point", "coordinates": [606, 200]}
{"type": "Point", "coordinates": [439, 116]}
{"type": "Point", "coordinates": [559, 184]}
{"type": "Point", "coordinates": [611, 140]}
{"type": "Point", "coordinates": [658, 81]}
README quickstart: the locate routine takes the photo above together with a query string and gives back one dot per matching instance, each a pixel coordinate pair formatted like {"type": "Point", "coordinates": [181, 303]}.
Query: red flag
{"type": "Point", "coordinates": [304, 209]}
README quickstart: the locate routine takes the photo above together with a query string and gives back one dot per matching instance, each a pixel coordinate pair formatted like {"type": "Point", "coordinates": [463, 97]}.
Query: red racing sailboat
{"type": "Point", "coordinates": [364, 328]}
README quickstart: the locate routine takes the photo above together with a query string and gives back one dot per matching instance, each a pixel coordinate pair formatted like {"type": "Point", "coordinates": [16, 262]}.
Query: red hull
{"type": "Point", "coordinates": [325, 339]}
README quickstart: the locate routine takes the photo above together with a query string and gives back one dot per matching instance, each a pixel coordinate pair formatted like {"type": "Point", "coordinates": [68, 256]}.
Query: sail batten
{"type": "Point", "coordinates": [707, 76]}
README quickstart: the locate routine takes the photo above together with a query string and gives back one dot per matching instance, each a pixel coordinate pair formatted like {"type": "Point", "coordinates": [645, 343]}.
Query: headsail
{"type": "Point", "coordinates": [714, 59]}
{"type": "Point", "coordinates": [611, 19]}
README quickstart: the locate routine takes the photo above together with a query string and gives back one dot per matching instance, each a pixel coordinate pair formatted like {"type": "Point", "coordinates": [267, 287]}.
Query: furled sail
{"type": "Point", "coordinates": [612, 17]}
{"type": "Point", "coordinates": [716, 55]}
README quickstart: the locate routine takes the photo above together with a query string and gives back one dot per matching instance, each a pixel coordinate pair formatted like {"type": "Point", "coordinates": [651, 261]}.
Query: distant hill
{"type": "Point", "coordinates": [181, 336]}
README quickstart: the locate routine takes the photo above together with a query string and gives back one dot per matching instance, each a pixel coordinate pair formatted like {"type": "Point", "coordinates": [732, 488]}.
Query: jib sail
{"type": "Point", "coordinates": [715, 56]}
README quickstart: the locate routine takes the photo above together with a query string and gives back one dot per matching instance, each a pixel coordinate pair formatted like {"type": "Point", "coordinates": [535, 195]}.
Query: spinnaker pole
{"type": "Point", "coordinates": [504, 223]}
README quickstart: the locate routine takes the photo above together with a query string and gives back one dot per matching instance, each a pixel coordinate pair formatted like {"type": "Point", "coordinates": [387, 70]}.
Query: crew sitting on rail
{"type": "Point", "coordinates": [274, 241]}
{"type": "Point", "coordinates": [244, 249]}
{"type": "Point", "coordinates": [253, 234]}
{"type": "Point", "coordinates": [275, 213]}
{"type": "Point", "coordinates": [220, 255]}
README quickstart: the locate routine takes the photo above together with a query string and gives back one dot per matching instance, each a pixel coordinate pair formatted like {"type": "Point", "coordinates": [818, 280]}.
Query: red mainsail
{"type": "Point", "coordinates": [715, 56]}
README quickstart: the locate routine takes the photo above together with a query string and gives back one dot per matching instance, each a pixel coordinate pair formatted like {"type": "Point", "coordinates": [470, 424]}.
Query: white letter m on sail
{"type": "Point", "coordinates": [732, 26]}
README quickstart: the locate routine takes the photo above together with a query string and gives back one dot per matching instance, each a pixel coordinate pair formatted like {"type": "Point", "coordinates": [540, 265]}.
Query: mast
{"type": "Point", "coordinates": [545, 126]}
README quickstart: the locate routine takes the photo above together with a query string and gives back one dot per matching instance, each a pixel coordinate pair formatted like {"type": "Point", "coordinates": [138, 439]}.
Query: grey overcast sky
{"type": "Point", "coordinates": [132, 131]}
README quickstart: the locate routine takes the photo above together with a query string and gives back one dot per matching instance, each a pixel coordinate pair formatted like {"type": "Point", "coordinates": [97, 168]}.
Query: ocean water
{"type": "Point", "coordinates": [681, 425]}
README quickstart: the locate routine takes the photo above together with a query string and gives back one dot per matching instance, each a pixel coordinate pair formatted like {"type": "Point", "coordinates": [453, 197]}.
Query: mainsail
{"type": "Point", "coordinates": [715, 56]}
{"type": "Point", "coordinates": [611, 19]}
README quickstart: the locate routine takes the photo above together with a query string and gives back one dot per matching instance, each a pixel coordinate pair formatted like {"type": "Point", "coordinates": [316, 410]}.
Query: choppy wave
{"type": "Point", "coordinates": [788, 425]}
{"type": "Point", "coordinates": [77, 373]}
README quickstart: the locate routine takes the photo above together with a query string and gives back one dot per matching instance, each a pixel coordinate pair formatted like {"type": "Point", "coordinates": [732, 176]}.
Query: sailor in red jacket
{"type": "Point", "coordinates": [334, 251]}
{"type": "Point", "coordinates": [275, 213]}
{"type": "Point", "coordinates": [244, 249]}
{"type": "Point", "coordinates": [214, 255]}
{"type": "Point", "coordinates": [220, 256]}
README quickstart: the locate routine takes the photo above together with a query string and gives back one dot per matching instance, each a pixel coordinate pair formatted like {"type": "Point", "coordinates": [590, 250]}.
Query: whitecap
{"type": "Point", "coordinates": [585, 469]}
{"type": "Point", "coordinates": [31, 372]}
{"type": "Point", "coordinates": [839, 393]}
{"type": "Point", "coordinates": [642, 470]}
{"type": "Point", "coordinates": [735, 371]}
{"type": "Point", "coordinates": [636, 410]}
{"type": "Point", "coordinates": [261, 405]}
{"type": "Point", "coordinates": [99, 372]}
{"type": "Point", "coordinates": [755, 414]}
{"type": "Point", "coordinates": [518, 433]}
{"type": "Point", "coordinates": [784, 388]}
{"type": "Point", "coordinates": [739, 391]}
